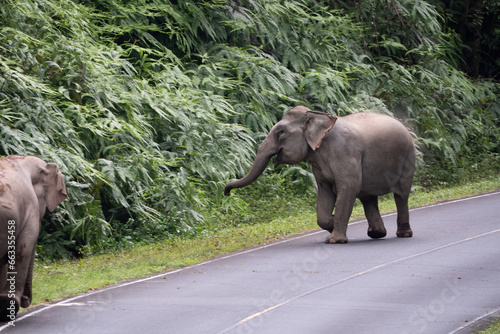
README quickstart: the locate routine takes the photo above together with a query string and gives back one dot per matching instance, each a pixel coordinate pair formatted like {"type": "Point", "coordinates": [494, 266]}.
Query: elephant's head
{"type": "Point", "coordinates": [291, 139]}
{"type": "Point", "coordinates": [55, 187]}
{"type": "Point", "coordinates": [47, 181]}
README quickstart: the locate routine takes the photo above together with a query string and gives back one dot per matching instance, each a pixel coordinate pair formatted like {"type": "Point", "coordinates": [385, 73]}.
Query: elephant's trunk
{"type": "Point", "coordinates": [267, 150]}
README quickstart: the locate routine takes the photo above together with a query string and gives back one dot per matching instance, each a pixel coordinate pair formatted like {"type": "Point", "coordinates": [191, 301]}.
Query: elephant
{"type": "Point", "coordinates": [28, 186]}
{"type": "Point", "coordinates": [362, 155]}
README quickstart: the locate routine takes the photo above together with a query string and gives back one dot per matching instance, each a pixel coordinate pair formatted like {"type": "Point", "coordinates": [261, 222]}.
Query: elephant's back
{"type": "Point", "coordinates": [376, 128]}
{"type": "Point", "coordinates": [388, 150]}
{"type": "Point", "coordinates": [16, 191]}
{"type": "Point", "coordinates": [367, 119]}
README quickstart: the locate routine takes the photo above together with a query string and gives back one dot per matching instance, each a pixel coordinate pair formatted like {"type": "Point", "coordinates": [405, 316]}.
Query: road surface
{"type": "Point", "coordinates": [443, 280]}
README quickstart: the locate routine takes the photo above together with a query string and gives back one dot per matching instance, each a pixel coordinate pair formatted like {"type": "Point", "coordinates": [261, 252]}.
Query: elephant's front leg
{"type": "Point", "coordinates": [324, 206]}
{"type": "Point", "coordinates": [343, 210]}
{"type": "Point", "coordinates": [28, 285]}
{"type": "Point", "coordinates": [17, 275]}
{"type": "Point", "coordinates": [8, 305]}
{"type": "Point", "coordinates": [3, 274]}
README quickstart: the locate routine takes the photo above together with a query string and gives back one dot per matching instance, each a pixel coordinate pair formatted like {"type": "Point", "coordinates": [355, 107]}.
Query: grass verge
{"type": "Point", "coordinates": [493, 329]}
{"type": "Point", "coordinates": [56, 280]}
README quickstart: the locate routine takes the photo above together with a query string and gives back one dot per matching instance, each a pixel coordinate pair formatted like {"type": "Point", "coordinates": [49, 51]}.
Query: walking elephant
{"type": "Point", "coordinates": [28, 186]}
{"type": "Point", "coordinates": [362, 155]}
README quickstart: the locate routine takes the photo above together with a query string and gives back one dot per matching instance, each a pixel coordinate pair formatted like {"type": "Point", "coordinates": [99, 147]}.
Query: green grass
{"type": "Point", "coordinates": [493, 329]}
{"type": "Point", "coordinates": [56, 280]}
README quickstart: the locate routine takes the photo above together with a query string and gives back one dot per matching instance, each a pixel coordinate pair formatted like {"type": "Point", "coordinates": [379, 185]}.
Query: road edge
{"type": "Point", "coordinates": [45, 306]}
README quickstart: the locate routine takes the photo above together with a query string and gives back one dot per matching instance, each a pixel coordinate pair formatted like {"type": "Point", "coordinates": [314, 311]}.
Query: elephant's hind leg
{"type": "Point", "coordinates": [404, 229]}
{"type": "Point", "coordinates": [376, 228]}
{"type": "Point", "coordinates": [8, 308]}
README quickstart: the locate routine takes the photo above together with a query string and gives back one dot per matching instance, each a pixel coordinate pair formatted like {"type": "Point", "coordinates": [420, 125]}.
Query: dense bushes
{"type": "Point", "coordinates": [149, 107]}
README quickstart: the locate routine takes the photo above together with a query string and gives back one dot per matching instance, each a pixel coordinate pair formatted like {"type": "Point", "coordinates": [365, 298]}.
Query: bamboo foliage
{"type": "Point", "coordinates": [150, 106]}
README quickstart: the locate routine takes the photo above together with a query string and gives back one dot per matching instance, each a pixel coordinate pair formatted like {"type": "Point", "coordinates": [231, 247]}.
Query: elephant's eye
{"type": "Point", "coordinates": [281, 132]}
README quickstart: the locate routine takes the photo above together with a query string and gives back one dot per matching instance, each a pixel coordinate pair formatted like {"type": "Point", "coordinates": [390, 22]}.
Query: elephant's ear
{"type": "Point", "coordinates": [316, 127]}
{"type": "Point", "coordinates": [56, 189]}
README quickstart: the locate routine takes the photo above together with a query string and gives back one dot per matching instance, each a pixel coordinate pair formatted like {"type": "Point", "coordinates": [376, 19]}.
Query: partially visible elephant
{"type": "Point", "coordinates": [362, 155]}
{"type": "Point", "coordinates": [28, 186]}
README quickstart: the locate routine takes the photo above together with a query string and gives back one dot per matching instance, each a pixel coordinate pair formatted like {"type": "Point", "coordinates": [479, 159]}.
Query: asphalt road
{"type": "Point", "coordinates": [443, 280]}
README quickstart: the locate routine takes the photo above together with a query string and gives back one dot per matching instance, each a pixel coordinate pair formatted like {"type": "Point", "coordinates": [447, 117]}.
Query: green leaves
{"type": "Point", "coordinates": [149, 107]}
{"type": "Point", "coordinates": [327, 85]}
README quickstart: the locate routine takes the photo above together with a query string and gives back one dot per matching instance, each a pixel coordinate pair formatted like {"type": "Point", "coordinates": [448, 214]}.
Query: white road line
{"type": "Point", "coordinates": [474, 321]}
{"type": "Point", "coordinates": [66, 301]}
{"type": "Point", "coordinates": [61, 303]}
{"type": "Point", "coordinates": [255, 315]}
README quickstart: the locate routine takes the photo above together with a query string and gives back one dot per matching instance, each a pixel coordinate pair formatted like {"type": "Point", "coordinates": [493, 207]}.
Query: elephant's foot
{"type": "Point", "coordinates": [8, 308]}
{"type": "Point", "coordinates": [404, 231]}
{"type": "Point", "coordinates": [25, 301]}
{"type": "Point", "coordinates": [336, 238]}
{"type": "Point", "coordinates": [377, 233]}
